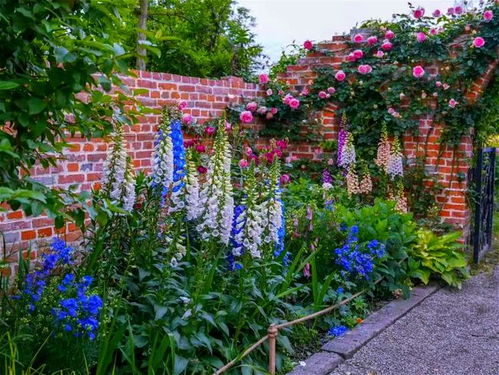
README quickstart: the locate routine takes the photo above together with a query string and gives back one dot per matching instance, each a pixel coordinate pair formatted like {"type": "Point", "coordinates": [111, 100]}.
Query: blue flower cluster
{"type": "Point", "coordinates": [178, 154]}
{"type": "Point", "coordinates": [279, 246]}
{"type": "Point", "coordinates": [80, 314]}
{"type": "Point", "coordinates": [337, 331]}
{"type": "Point", "coordinates": [355, 261]}
{"type": "Point", "coordinates": [59, 254]}
{"type": "Point", "coordinates": [233, 265]}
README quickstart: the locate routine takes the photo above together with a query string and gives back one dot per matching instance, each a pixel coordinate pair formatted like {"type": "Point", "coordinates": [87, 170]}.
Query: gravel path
{"type": "Point", "coordinates": [449, 333]}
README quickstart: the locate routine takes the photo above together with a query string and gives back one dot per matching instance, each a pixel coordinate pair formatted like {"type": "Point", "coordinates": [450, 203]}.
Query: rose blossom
{"type": "Point", "coordinates": [389, 34]}
{"type": "Point", "coordinates": [340, 75]}
{"type": "Point", "coordinates": [387, 46]}
{"type": "Point", "coordinates": [433, 31]}
{"type": "Point", "coordinates": [294, 103]}
{"type": "Point", "coordinates": [420, 37]}
{"type": "Point", "coordinates": [210, 130]}
{"type": "Point", "coordinates": [391, 110]}
{"type": "Point", "coordinates": [284, 179]}
{"type": "Point", "coordinates": [251, 106]}
{"type": "Point", "coordinates": [358, 38]}
{"type": "Point", "coordinates": [478, 42]}
{"type": "Point", "coordinates": [304, 92]}
{"type": "Point", "coordinates": [452, 103]}
{"type": "Point", "coordinates": [322, 94]}
{"type": "Point", "coordinates": [200, 148]}
{"type": "Point", "coordinates": [269, 92]}
{"type": "Point", "coordinates": [446, 86]}
{"type": "Point", "coordinates": [228, 126]}
{"type": "Point", "coordinates": [418, 13]}
{"type": "Point", "coordinates": [282, 144]}
{"type": "Point", "coordinates": [331, 90]}
{"type": "Point", "coordinates": [263, 79]}
{"type": "Point", "coordinates": [418, 71]}
{"type": "Point", "coordinates": [182, 105]}
{"type": "Point", "coordinates": [308, 45]}
{"type": "Point", "coordinates": [187, 118]}
{"type": "Point", "coordinates": [379, 54]}
{"type": "Point", "coordinates": [246, 117]}
{"type": "Point", "coordinates": [351, 57]}
{"type": "Point", "coordinates": [269, 116]}
{"type": "Point", "coordinates": [458, 10]}
{"type": "Point", "coordinates": [248, 151]}
{"type": "Point", "coordinates": [364, 69]}
{"type": "Point", "coordinates": [488, 15]}
{"type": "Point", "coordinates": [438, 83]}
{"type": "Point", "coordinates": [202, 169]}
{"type": "Point", "coordinates": [450, 11]}
{"type": "Point", "coordinates": [273, 110]}
{"type": "Point", "coordinates": [372, 40]}
{"type": "Point", "coordinates": [358, 54]}
{"type": "Point", "coordinates": [243, 163]}
{"type": "Point", "coordinates": [436, 13]}
{"type": "Point", "coordinates": [287, 98]}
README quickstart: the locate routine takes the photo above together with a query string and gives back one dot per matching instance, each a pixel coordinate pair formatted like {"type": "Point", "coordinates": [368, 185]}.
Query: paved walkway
{"type": "Point", "coordinates": [449, 333]}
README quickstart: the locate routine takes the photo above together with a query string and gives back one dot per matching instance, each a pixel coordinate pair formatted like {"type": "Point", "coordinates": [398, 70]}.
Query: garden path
{"type": "Point", "coordinates": [449, 333]}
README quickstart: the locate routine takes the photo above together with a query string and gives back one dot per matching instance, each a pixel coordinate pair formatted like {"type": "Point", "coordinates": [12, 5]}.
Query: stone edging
{"type": "Point", "coordinates": [342, 348]}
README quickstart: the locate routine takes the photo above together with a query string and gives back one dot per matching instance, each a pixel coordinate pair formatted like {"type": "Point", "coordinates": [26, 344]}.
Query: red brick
{"type": "Point", "coordinates": [72, 179]}
{"type": "Point", "coordinates": [28, 235]}
{"type": "Point", "coordinates": [44, 232]}
{"type": "Point", "coordinates": [15, 215]}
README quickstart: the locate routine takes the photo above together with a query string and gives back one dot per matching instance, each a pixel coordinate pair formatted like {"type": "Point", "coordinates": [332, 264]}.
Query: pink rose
{"type": "Point", "coordinates": [433, 31]}
{"type": "Point", "coordinates": [452, 103]}
{"type": "Point", "coordinates": [308, 45]}
{"type": "Point", "coordinates": [243, 163]}
{"type": "Point", "coordinates": [450, 11]}
{"type": "Point", "coordinates": [200, 148]}
{"type": "Point", "coordinates": [420, 37]}
{"type": "Point", "coordinates": [436, 13]}
{"type": "Point", "coordinates": [358, 38]}
{"type": "Point", "coordinates": [228, 126]}
{"type": "Point", "coordinates": [340, 75]}
{"type": "Point", "coordinates": [418, 71]}
{"type": "Point", "coordinates": [287, 98]}
{"type": "Point", "coordinates": [269, 116]}
{"type": "Point", "coordinates": [458, 10]}
{"type": "Point", "coordinates": [187, 118]}
{"type": "Point", "coordinates": [418, 13]}
{"type": "Point", "coordinates": [391, 110]}
{"type": "Point", "coordinates": [246, 117]}
{"type": "Point", "coordinates": [263, 79]}
{"type": "Point", "coordinates": [331, 90]}
{"type": "Point", "coordinates": [273, 110]}
{"type": "Point", "coordinates": [285, 179]}
{"type": "Point", "coordinates": [202, 169]}
{"type": "Point", "coordinates": [478, 42]}
{"type": "Point", "coordinates": [210, 130]}
{"type": "Point", "coordinates": [304, 92]}
{"type": "Point", "coordinates": [387, 46]}
{"type": "Point", "coordinates": [282, 144]}
{"type": "Point", "coordinates": [446, 86]}
{"type": "Point", "coordinates": [294, 103]}
{"type": "Point", "coordinates": [322, 94]}
{"type": "Point", "coordinates": [488, 15]}
{"type": "Point", "coordinates": [364, 69]}
{"type": "Point", "coordinates": [262, 110]}
{"type": "Point", "coordinates": [251, 106]}
{"type": "Point", "coordinates": [269, 92]}
{"type": "Point", "coordinates": [358, 54]}
{"type": "Point", "coordinates": [379, 54]}
{"type": "Point", "coordinates": [372, 40]}
{"type": "Point", "coordinates": [351, 57]}
{"type": "Point", "coordinates": [248, 151]}
{"type": "Point", "coordinates": [438, 83]}
{"type": "Point", "coordinates": [389, 34]}
{"type": "Point", "coordinates": [435, 94]}
{"type": "Point", "coordinates": [182, 105]}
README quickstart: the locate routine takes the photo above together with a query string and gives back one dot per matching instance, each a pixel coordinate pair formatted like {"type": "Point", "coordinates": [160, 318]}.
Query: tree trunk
{"type": "Point", "coordinates": [141, 51]}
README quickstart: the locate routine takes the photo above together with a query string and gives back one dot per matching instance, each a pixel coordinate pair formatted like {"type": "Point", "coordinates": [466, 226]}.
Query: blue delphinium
{"type": "Point", "coordinates": [236, 244]}
{"type": "Point", "coordinates": [279, 246]}
{"type": "Point", "coordinates": [178, 154]}
{"type": "Point", "coordinates": [337, 331]}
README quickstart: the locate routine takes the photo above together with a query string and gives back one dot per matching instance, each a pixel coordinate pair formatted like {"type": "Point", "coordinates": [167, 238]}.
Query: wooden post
{"type": "Point", "coordinates": [272, 332]}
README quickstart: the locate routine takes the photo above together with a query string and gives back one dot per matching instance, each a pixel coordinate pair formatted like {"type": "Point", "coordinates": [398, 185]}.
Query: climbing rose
{"type": "Point", "coordinates": [420, 37]}
{"type": "Point", "coordinates": [322, 94]}
{"type": "Point", "coordinates": [263, 79]}
{"type": "Point", "coordinates": [450, 11]}
{"type": "Point", "coordinates": [228, 126]}
{"type": "Point", "coordinates": [340, 75]}
{"type": "Point", "coordinates": [308, 45]}
{"type": "Point", "coordinates": [389, 34]}
{"type": "Point", "coordinates": [243, 163]}
{"type": "Point", "coordinates": [364, 69]}
{"type": "Point", "coordinates": [488, 15]}
{"type": "Point", "coordinates": [269, 92]}
{"type": "Point", "coordinates": [287, 98]}
{"type": "Point", "coordinates": [436, 13]}
{"type": "Point", "coordinates": [351, 57]}
{"type": "Point", "coordinates": [331, 90]}
{"type": "Point", "coordinates": [273, 110]}
{"type": "Point", "coordinates": [452, 103]}
{"type": "Point", "coordinates": [418, 13]}
{"type": "Point", "coordinates": [438, 83]}
{"type": "Point", "coordinates": [251, 106]}
{"type": "Point", "coordinates": [372, 40]}
{"type": "Point", "coordinates": [200, 148]}
{"type": "Point", "coordinates": [418, 71]}
{"type": "Point", "coordinates": [433, 31]}
{"type": "Point", "coordinates": [379, 54]}
{"type": "Point", "coordinates": [478, 42]}
{"type": "Point", "coordinates": [358, 54]}
{"type": "Point", "coordinates": [294, 103]}
{"type": "Point", "coordinates": [246, 117]}
{"type": "Point", "coordinates": [262, 110]}
{"type": "Point", "coordinates": [182, 105]}
{"type": "Point", "coordinates": [458, 10]}
{"type": "Point", "coordinates": [187, 118]}
{"type": "Point", "coordinates": [210, 130]}
{"type": "Point", "coordinates": [387, 46]}
{"type": "Point", "coordinates": [358, 38]}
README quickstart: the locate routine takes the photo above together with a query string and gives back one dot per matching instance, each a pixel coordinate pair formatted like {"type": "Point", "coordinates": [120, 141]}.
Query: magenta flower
{"type": "Point", "coordinates": [420, 37]}
{"type": "Point", "coordinates": [358, 38]}
{"type": "Point", "coordinates": [358, 54]}
{"type": "Point", "coordinates": [187, 118]}
{"type": "Point", "coordinates": [478, 42]}
{"type": "Point", "coordinates": [418, 13]}
{"type": "Point", "coordinates": [364, 69]}
{"type": "Point", "coordinates": [200, 148]}
{"type": "Point", "coordinates": [210, 130]}
{"type": "Point", "coordinates": [273, 110]}
{"type": "Point", "coordinates": [340, 75]}
{"type": "Point", "coordinates": [452, 103]}
{"type": "Point", "coordinates": [304, 92]}
{"type": "Point", "coordinates": [182, 105]}
{"type": "Point", "coordinates": [331, 90]}
{"type": "Point", "coordinates": [386, 46]}
{"type": "Point", "coordinates": [436, 13]}
{"type": "Point", "coordinates": [450, 11]}
{"type": "Point", "coordinates": [438, 84]}
{"type": "Point", "coordinates": [351, 57]}
{"type": "Point", "coordinates": [202, 169]}
{"type": "Point", "coordinates": [488, 15]}
{"type": "Point", "coordinates": [308, 45]}
{"type": "Point", "coordinates": [263, 79]}
{"type": "Point", "coordinates": [458, 10]}
{"type": "Point", "coordinates": [372, 40]}
{"type": "Point", "coordinates": [228, 126]}
{"type": "Point", "coordinates": [418, 71]}
{"type": "Point", "coordinates": [379, 54]}
{"type": "Point", "coordinates": [252, 106]}
{"type": "Point", "coordinates": [294, 103]}
{"type": "Point", "coordinates": [246, 117]}
{"type": "Point", "coordinates": [284, 179]}
{"type": "Point", "coordinates": [433, 31]}
{"type": "Point", "coordinates": [287, 98]}
{"type": "Point", "coordinates": [389, 34]}
{"type": "Point", "coordinates": [243, 163]}
{"type": "Point", "coordinates": [322, 94]}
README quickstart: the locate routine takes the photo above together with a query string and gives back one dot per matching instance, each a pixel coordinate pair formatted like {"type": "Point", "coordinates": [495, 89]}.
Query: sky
{"type": "Point", "coordinates": [280, 22]}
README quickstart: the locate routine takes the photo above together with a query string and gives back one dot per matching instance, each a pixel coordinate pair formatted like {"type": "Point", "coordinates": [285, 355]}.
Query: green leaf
{"type": "Point", "coordinates": [8, 85]}
{"type": "Point", "coordinates": [180, 365]}
{"type": "Point", "coordinates": [160, 311]}
{"type": "Point", "coordinates": [36, 105]}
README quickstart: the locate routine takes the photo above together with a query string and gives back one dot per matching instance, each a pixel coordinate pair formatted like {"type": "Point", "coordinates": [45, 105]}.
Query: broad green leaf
{"type": "Point", "coordinates": [8, 85]}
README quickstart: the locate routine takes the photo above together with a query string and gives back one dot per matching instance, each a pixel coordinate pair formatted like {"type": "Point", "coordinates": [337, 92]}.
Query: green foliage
{"type": "Point", "coordinates": [442, 256]}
